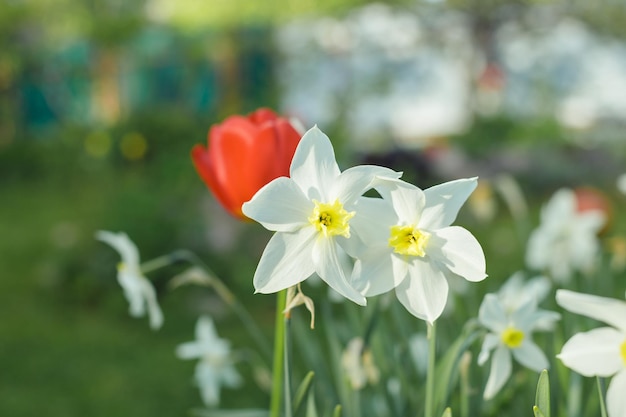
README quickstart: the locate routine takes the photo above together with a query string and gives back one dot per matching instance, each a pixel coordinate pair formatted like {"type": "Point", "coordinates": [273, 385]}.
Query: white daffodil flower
{"type": "Point", "coordinates": [137, 288]}
{"type": "Point", "coordinates": [358, 364]}
{"type": "Point", "coordinates": [602, 351]}
{"type": "Point", "coordinates": [510, 335]}
{"type": "Point", "coordinates": [566, 239]}
{"type": "Point", "coordinates": [215, 368]}
{"type": "Point", "coordinates": [413, 247]}
{"type": "Point", "coordinates": [313, 213]}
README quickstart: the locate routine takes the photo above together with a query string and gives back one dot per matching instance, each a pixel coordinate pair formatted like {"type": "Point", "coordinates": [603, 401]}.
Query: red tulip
{"type": "Point", "coordinates": [244, 154]}
{"type": "Point", "coordinates": [590, 199]}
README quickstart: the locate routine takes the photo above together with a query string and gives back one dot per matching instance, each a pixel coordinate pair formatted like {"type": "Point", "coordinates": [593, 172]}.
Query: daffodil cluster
{"type": "Point", "coordinates": [363, 246]}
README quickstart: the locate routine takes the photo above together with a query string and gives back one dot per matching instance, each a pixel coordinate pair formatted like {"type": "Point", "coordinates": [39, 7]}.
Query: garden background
{"type": "Point", "coordinates": [101, 102]}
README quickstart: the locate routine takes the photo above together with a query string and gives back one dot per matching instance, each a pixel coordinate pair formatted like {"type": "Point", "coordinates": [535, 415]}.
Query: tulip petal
{"type": "Point", "coordinates": [280, 206]}
{"type": "Point", "coordinates": [615, 398]}
{"type": "Point", "coordinates": [425, 292]}
{"type": "Point", "coordinates": [529, 355]}
{"type": "Point", "coordinates": [313, 167]}
{"type": "Point", "coordinates": [328, 265]}
{"type": "Point", "coordinates": [500, 372]}
{"type": "Point", "coordinates": [444, 201]}
{"type": "Point", "coordinates": [239, 159]}
{"type": "Point", "coordinates": [594, 353]}
{"type": "Point", "coordinates": [459, 251]}
{"type": "Point", "coordinates": [607, 310]}
{"type": "Point", "coordinates": [286, 261]}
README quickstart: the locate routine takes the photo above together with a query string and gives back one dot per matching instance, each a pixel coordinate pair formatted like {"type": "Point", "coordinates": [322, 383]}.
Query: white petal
{"type": "Point", "coordinates": [313, 166]}
{"type": "Point", "coordinates": [538, 249]}
{"type": "Point", "coordinates": [373, 220]}
{"type": "Point", "coordinates": [286, 261]}
{"type": "Point", "coordinates": [492, 314]}
{"type": "Point", "coordinates": [444, 201]}
{"type": "Point", "coordinates": [459, 251]}
{"type": "Point", "coordinates": [408, 200]}
{"type": "Point", "coordinates": [560, 207]}
{"type": "Point", "coordinates": [154, 311]}
{"type": "Point", "coordinates": [207, 380]}
{"type": "Point", "coordinates": [425, 292]}
{"type": "Point", "coordinates": [608, 310]}
{"type": "Point", "coordinates": [529, 355]}
{"type": "Point", "coordinates": [328, 266]}
{"type": "Point", "coordinates": [356, 180]}
{"type": "Point", "coordinates": [122, 244]}
{"type": "Point", "coordinates": [615, 398]}
{"type": "Point", "coordinates": [489, 344]}
{"type": "Point", "coordinates": [205, 329]}
{"type": "Point", "coordinates": [279, 206]}
{"type": "Point", "coordinates": [190, 350]}
{"type": "Point", "coordinates": [594, 353]}
{"type": "Point", "coordinates": [373, 273]}
{"type": "Point", "coordinates": [500, 372]}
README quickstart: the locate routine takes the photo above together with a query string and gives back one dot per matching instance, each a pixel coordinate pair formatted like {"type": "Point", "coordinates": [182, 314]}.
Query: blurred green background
{"type": "Point", "coordinates": [102, 100]}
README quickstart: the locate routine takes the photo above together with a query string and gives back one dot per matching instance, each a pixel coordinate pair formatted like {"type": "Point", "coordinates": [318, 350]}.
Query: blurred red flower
{"type": "Point", "coordinates": [244, 154]}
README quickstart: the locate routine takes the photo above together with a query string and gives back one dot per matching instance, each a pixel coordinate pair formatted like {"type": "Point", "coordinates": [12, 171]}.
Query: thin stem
{"type": "Point", "coordinates": [277, 368]}
{"type": "Point", "coordinates": [601, 395]}
{"type": "Point", "coordinates": [430, 376]}
{"type": "Point", "coordinates": [287, 367]}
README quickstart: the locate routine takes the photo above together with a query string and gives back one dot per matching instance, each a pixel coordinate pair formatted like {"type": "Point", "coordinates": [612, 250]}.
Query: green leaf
{"type": "Point", "coordinates": [542, 398]}
{"type": "Point", "coordinates": [447, 412]}
{"type": "Point", "coordinates": [337, 411]}
{"type": "Point", "coordinates": [445, 371]}
{"type": "Point", "coordinates": [302, 391]}
{"type": "Point", "coordinates": [311, 409]}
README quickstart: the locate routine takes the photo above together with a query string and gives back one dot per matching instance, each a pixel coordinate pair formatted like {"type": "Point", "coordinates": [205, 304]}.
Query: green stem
{"type": "Point", "coordinates": [277, 369]}
{"type": "Point", "coordinates": [430, 376]}
{"type": "Point", "coordinates": [287, 367]}
{"type": "Point", "coordinates": [601, 395]}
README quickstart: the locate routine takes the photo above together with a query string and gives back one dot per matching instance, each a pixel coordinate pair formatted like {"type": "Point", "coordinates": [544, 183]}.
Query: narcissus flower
{"type": "Point", "coordinates": [138, 290]}
{"type": "Point", "coordinates": [312, 214]}
{"type": "Point", "coordinates": [244, 154]}
{"type": "Point", "coordinates": [602, 351]}
{"type": "Point", "coordinates": [215, 366]}
{"type": "Point", "coordinates": [412, 246]}
{"type": "Point", "coordinates": [510, 335]}
{"type": "Point", "coordinates": [566, 240]}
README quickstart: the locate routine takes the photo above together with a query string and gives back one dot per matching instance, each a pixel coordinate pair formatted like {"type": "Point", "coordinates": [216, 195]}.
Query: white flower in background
{"type": "Point", "coordinates": [510, 335]}
{"type": "Point", "coordinates": [621, 183]}
{"type": "Point", "coordinates": [312, 213]}
{"type": "Point", "coordinates": [602, 351]}
{"type": "Point", "coordinates": [358, 364]}
{"type": "Point", "coordinates": [516, 291]}
{"type": "Point", "coordinates": [215, 366]}
{"type": "Point", "coordinates": [566, 240]}
{"type": "Point", "coordinates": [137, 289]}
{"type": "Point", "coordinates": [418, 347]}
{"type": "Point", "coordinates": [413, 247]}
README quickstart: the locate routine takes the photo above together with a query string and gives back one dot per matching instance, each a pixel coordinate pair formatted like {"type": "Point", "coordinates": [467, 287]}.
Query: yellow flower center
{"type": "Point", "coordinates": [622, 350]}
{"type": "Point", "coordinates": [512, 337]}
{"type": "Point", "coordinates": [408, 240]}
{"type": "Point", "coordinates": [331, 218]}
